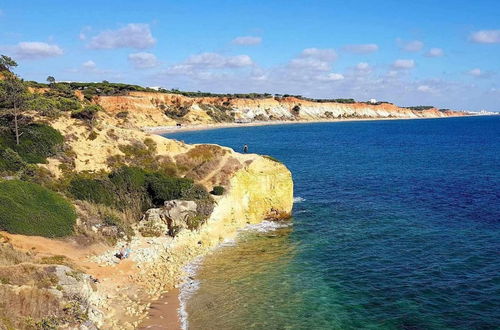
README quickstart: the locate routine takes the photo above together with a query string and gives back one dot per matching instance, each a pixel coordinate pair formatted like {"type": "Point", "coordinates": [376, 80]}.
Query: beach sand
{"type": "Point", "coordinates": [202, 127]}
{"type": "Point", "coordinates": [163, 313]}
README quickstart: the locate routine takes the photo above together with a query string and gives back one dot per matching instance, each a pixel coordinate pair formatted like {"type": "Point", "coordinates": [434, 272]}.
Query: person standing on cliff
{"type": "Point", "coordinates": [245, 148]}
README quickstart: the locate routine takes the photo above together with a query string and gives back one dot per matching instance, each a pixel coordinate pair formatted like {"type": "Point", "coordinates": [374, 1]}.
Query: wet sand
{"type": "Point", "coordinates": [163, 313]}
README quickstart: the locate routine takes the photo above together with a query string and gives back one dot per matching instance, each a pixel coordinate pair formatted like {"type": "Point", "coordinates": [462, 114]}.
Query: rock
{"type": "Point", "coordinates": [171, 218]}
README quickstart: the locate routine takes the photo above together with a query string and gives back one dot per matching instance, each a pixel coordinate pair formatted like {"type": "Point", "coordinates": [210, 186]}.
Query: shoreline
{"type": "Point", "coordinates": [163, 313]}
{"type": "Point", "coordinates": [169, 311]}
{"type": "Point", "coordinates": [160, 130]}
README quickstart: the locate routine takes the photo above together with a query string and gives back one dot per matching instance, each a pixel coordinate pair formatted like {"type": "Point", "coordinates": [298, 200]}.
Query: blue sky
{"type": "Point", "coordinates": [442, 53]}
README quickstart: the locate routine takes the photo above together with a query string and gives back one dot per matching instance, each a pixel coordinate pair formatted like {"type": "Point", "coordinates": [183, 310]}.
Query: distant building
{"type": "Point", "coordinates": [373, 101]}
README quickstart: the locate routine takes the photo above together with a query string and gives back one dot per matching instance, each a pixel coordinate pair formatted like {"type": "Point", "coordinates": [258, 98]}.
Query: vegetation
{"type": "Point", "coordinates": [420, 107]}
{"type": "Point", "coordinates": [30, 209]}
{"type": "Point", "coordinates": [38, 142]}
{"type": "Point", "coordinates": [10, 161]}
{"type": "Point", "coordinates": [88, 113]}
{"type": "Point", "coordinates": [13, 99]}
{"type": "Point", "coordinates": [219, 113]}
{"type": "Point", "coordinates": [98, 191]}
{"type": "Point", "coordinates": [218, 191]}
{"type": "Point", "coordinates": [135, 188]}
{"type": "Point", "coordinates": [6, 63]}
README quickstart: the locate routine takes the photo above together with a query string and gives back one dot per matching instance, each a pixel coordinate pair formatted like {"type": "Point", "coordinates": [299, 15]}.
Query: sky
{"type": "Point", "coordinates": [444, 53]}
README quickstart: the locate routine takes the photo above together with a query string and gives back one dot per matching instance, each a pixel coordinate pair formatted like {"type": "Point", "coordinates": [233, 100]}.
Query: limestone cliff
{"type": "Point", "coordinates": [256, 188]}
{"type": "Point", "coordinates": [142, 109]}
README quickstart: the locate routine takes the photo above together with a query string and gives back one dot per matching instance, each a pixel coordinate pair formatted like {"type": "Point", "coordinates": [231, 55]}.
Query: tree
{"type": "Point", "coordinates": [6, 63]}
{"type": "Point", "coordinates": [51, 80]}
{"type": "Point", "coordinates": [13, 98]}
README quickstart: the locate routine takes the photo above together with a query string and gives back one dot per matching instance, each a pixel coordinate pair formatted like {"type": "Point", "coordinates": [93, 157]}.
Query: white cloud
{"type": "Point", "coordinates": [313, 59]}
{"type": "Point", "coordinates": [83, 33]}
{"type": "Point", "coordinates": [247, 40]}
{"type": "Point", "coordinates": [486, 36]}
{"type": "Point", "coordinates": [412, 46]}
{"type": "Point", "coordinates": [89, 65]}
{"type": "Point", "coordinates": [143, 60]}
{"type": "Point", "coordinates": [331, 77]}
{"type": "Point", "coordinates": [435, 52]}
{"type": "Point", "coordinates": [475, 72]}
{"type": "Point", "coordinates": [36, 50]}
{"type": "Point", "coordinates": [403, 64]}
{"type": "Point", "coordinates": [321, 54]}
{"type": "Point", "coordinates": [133, 35]}
{"type": "Point", "coordinates": [363, 66]}
{"type": "Point", "coordinates": [424, 88]}
{"type": "Point", "coordinates": [361, 48]}
{"type": "Point", "coordinates": [215, 60]}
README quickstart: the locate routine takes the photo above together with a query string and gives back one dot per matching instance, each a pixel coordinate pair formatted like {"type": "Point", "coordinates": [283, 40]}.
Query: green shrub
{"type": "Point", "coordinates": [87, 113]}
{"type": "Point", "coordinates": [218, 191]}
{"type": "Point", "coordinates": [162, 188]}
{"type": "Point", "coordinates": [67, 104]}
{"type": "Point", "coordinates": [194, 192]}
{"type": "Point", "coordinates": [30, 209]}
{"type": "Point", "coordinates": [46, 106]}
{"type": "Point", "coordinates": [38, 142]}
{"type": "Point", "coordinates": [128, 179]}
{"type": "Point", "coordinates": [93, 190]}
{"type": "Point", "coordinates": [10, 161]}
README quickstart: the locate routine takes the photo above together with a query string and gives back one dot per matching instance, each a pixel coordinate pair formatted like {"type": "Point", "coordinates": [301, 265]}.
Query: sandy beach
{"type": "Point", "coordinates": [202, 127]}
{"type": "Point", "coordinates": [163, 313]}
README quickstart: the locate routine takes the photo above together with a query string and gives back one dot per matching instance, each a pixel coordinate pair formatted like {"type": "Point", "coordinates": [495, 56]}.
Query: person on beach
{"type": "Point", "coordinates": [124, 252]}
{"type": "Point", "coordinates": [245, 148]}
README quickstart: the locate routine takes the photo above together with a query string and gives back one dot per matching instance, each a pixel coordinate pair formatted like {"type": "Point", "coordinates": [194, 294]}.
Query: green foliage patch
{"type": "Point", "coordinates": [30, 209]}
{"type": "Point", "coordinates": [38, 142]}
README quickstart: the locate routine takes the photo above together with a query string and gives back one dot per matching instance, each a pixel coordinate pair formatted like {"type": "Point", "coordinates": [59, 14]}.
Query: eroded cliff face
{"type": "Point", "coordinates": [256, 188]}
{"type": "Point", "coordinates": [144, 109]}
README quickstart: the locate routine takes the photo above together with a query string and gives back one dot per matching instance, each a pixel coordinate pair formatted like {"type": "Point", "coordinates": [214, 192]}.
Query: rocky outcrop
{"type": "Point", "coordinates": [172, 218]}
{"type": "Point", "coordinates": [54, 295]}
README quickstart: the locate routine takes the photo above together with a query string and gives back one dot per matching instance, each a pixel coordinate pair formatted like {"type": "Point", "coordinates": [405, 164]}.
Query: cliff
{"type": "Point", "coordinates": [78, 281]}
{"type": "Point", "coordinates": [143, 109]}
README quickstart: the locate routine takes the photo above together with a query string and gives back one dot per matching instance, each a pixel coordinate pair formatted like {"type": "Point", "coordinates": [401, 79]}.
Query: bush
{"type": "Point", "coordinates": [67, 104]}
{"type": "Point", "coordinates": [38, 142]}
{"type": "Point", "coordinates": [218, 191]}
{"type": "Point", "coordinates": [44, 105]}
{"type": "Point", "coordinates": [87, 113]}
{"type": "Point", "coordinates": [30, 209]}
{"type": "Point", "coordinates": [162, 188]}
{"type": "Point", "coordinates": [10, 161]}
{"type": "Point", "coordinates": [92, 190]}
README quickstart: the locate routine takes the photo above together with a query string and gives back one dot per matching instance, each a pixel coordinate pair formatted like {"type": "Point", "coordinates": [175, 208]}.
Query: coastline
{"type": "Point", "coordinates": [158, 130]}
{"type": "Point", "coordinates": [168, 311]}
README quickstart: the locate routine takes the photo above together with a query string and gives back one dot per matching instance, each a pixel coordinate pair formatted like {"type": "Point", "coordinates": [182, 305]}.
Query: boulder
{"type": "Point", "coordinates": [171, 218]}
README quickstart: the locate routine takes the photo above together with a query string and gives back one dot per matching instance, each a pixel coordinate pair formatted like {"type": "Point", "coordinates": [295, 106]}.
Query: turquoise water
{"type": "Point", "coordinates": [399, 229]}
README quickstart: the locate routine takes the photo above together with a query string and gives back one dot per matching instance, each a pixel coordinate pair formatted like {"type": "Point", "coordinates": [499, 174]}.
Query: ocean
{"type": "Point", "coordinates": [396, 225]}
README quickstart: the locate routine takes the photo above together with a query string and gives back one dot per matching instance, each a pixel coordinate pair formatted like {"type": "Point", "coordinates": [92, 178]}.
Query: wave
{"type": "Point", "coordinates": [298, 199]}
